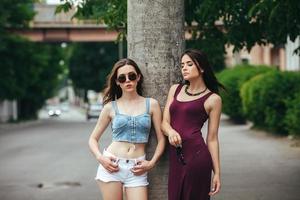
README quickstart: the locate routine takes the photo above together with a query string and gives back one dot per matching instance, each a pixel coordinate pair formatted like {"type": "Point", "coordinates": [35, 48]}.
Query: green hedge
{"type": "Point", "coordinates": [251, 100]}
{"type": "Point", "coordinates": [292, 117]}
{"type": "Point", "coordinates": [233, 79]}
{"type": "Point", "coordinates": [264, 99]}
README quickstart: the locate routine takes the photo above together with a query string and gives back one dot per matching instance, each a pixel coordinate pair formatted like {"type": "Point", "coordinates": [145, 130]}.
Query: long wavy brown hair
{"type": "Point", "coordinates": [201, 61]}
{"type": "Point", "coordinates": [112, 91]}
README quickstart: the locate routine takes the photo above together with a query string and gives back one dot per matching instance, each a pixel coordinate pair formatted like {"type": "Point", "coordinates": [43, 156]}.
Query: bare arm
{"type": "Point", "coordinates": [173, 136]}
{"type": "Point", "coordinates": [102, 123]}
{"type": "Point", "coordinates": [161, 141]}
{"type": "Point", "coordinates": [214, 105]}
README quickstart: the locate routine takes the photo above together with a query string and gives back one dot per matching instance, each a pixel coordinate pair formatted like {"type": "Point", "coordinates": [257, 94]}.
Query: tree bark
{"type": "Point", "coordinates": [155, 42]}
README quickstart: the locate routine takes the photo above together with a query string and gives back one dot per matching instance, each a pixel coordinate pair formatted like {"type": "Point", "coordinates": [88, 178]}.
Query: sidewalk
{"type": "Point", "coordinates": [17, 125]}
{"type": "Point", "coordinates": [73, 114]}
{"type": "Point", "coordinates": [256, 165]}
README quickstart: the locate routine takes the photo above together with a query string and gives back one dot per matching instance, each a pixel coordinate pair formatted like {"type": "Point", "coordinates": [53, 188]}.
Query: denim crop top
{"type": "Point", "coordinates": [134, 129]}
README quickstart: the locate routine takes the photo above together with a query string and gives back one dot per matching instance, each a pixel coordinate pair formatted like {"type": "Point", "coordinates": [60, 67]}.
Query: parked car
{"type": "Point", "coordinates": [54, 111]}
{"type": "Point", "coordinates": [93, 110]}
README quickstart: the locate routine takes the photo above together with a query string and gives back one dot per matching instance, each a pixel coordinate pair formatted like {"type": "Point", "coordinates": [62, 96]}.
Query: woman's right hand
{"type": "Point", "coordinates": [109, 163]}
{"type": "Point", "coordinates": [174, 139]}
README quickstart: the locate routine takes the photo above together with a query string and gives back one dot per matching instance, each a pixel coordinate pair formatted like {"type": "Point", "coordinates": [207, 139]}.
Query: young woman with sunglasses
{"type": "Point", "coordinates": [123, 164]}
{"type": "Point", "coordinates": [188, 106]}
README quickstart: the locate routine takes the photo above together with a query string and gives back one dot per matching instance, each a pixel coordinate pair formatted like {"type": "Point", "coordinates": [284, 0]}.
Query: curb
{"type": "Point", "coordinates": [24, 124]}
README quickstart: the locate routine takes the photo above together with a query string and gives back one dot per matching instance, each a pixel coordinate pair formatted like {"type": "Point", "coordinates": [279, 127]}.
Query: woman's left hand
{"type": "Point", "coordinates": [216, 185]}
{"type": "Point", "coordinates": [142, 167]}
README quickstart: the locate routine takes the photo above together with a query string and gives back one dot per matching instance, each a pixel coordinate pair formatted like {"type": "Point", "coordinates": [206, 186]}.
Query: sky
{"type": "Point", "coordinates": [53, 1]}
{"type": "Point", "coordinates": [59, 1]}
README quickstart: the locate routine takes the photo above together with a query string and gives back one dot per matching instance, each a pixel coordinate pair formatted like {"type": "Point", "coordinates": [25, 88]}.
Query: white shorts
{"type": "Point", "coordinates": [124, 175]}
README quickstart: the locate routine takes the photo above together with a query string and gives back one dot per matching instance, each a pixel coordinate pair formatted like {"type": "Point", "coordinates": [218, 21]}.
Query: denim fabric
{"type": "Point", "coordinates": [134, 129]}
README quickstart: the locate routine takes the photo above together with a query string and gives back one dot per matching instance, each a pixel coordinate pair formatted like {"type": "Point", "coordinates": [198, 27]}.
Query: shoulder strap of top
{"type": "Point", "coordinates": [114, 104]}
{"type": "Point", "coordinates": [206, 96]}
{"type": "Point", "coordinates": [178, 90]}
{"type": "Point", "coordinates": [148, 105]}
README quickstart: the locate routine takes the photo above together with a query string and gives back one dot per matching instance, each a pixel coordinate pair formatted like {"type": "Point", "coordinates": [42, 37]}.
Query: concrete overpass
{"type": "Point", "coordinates": [50, 27]}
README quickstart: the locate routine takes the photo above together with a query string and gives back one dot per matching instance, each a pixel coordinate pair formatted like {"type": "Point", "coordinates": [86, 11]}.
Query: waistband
{"type": "Point", "coordinates": [124, 160]}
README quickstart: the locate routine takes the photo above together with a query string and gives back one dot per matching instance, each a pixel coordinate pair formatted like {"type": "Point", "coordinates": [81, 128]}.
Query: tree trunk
{"type": "Point", "coordinates": [155, 42]}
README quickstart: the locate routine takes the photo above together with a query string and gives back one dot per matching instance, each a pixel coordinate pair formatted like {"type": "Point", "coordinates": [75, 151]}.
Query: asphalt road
{"type": "Point", "coordinates": [49, 159]}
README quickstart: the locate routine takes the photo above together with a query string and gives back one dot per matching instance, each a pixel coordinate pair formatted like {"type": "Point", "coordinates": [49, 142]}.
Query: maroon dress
{"type": "Point", "coordinates": [191, 181]}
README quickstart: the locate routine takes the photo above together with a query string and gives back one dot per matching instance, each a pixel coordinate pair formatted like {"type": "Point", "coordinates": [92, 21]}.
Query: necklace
{"type": "Point", "coordinates": [195, 94]}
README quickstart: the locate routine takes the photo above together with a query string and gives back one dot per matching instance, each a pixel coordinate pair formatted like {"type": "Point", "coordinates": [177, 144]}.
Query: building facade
{"type": "Point", "coordinates": [282, 57]}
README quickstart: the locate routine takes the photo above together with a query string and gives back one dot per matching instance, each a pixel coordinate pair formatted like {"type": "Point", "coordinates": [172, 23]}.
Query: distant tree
{"type": "Point", "coordinates": [90, 63]}
{"type": "Point", "coordinates": [44, 70]}
{"type": "Point", "coordinates": [245, 23]}
{"type": "Point", "coordinates": [29, 71]}
{"type": "Point", "coordinates": [15, 13]}
{"type": "Point", "coordinates": [13, 78]}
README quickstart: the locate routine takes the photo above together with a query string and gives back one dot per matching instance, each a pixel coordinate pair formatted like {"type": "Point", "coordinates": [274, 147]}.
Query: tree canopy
{"type": "Point", "coordinates": [245, 23]}
{"type": "Point", "coordinates": [240, 23]}
{"type": "Point", "coordinates": [29, 71]}
{"type": "Point", "coordinates": [15, 14]}
{"type": "Point", "coordinates": [90, 63]}
{"type": "Point", "coordinates": [113, 13]}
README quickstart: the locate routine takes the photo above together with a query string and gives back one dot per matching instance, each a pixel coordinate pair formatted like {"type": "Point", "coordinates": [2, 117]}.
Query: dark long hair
{"type": "Point", "coordinates": [112, 91]}
{"type": "Point", "coordinates": [201, 61]}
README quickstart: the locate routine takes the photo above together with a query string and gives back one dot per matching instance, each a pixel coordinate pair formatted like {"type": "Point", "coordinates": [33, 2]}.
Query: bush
{"type": "Point", "coordinates": [233, 79]}
{"type": "Point", "coordinates": [292, 117]}
{"type": "Point", "coordinates": [264, 99]}
{"type": "Point", "coordinates": [251, 101]}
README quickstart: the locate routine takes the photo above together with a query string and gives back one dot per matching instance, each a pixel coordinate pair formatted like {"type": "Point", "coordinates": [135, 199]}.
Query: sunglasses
{"type": "Point", "coordinates": [131, 76]}
{"type": "Point", "coordinates": [180, 156]}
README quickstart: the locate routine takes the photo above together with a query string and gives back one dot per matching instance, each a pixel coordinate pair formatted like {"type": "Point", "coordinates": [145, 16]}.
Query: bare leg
{"type": "Point", "coordinates": [136, 193]}
{"type": "Point", "coordinates": [111, 190]}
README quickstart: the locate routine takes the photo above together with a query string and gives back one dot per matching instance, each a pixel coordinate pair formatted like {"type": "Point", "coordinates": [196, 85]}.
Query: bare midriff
{"type": "Point", "coordinates": [127, 149]}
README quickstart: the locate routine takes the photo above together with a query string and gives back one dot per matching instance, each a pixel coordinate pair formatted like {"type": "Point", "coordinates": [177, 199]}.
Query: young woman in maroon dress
{"type": "Point", "coordinates": [188, 107]}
